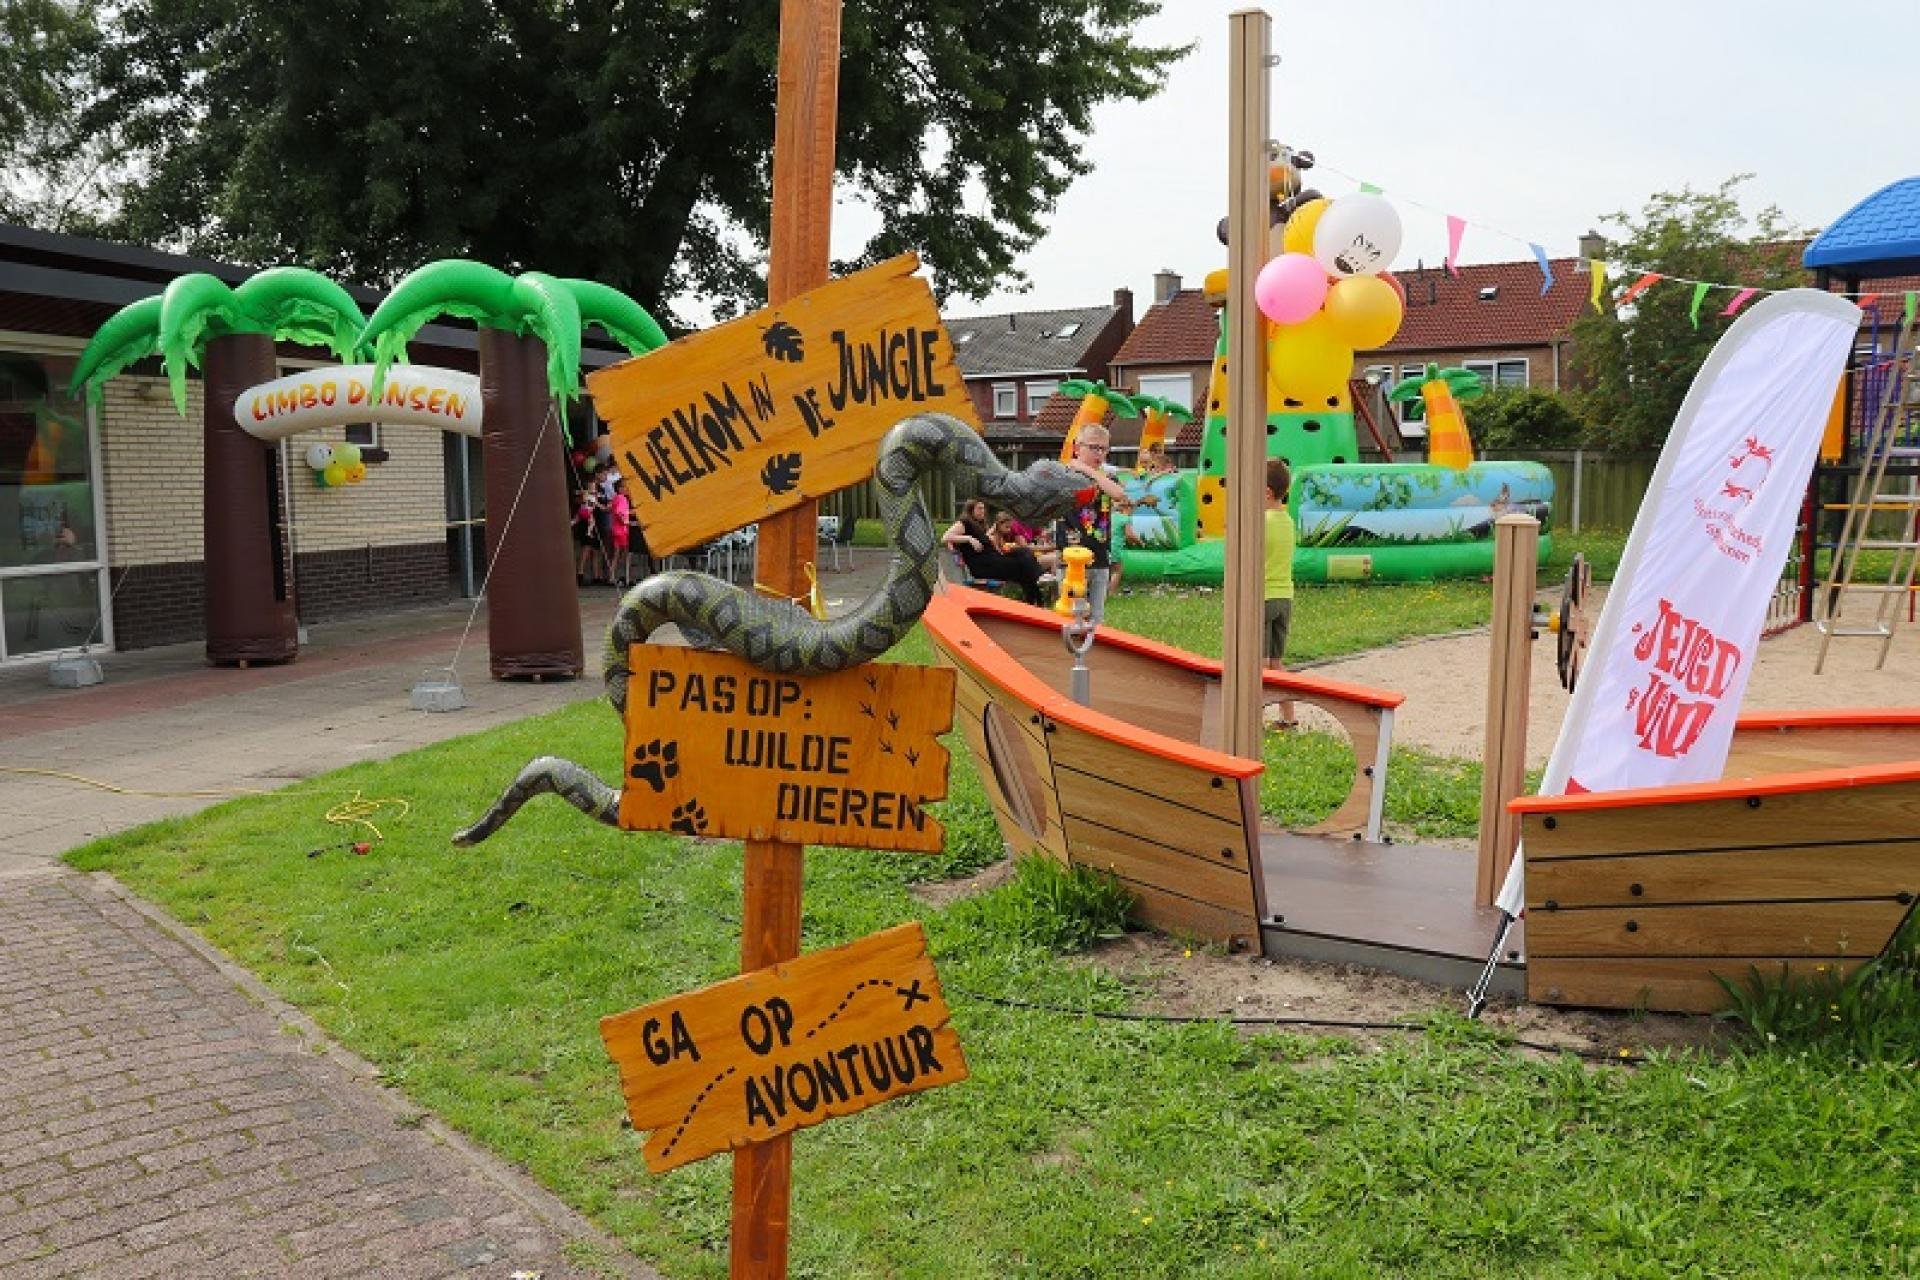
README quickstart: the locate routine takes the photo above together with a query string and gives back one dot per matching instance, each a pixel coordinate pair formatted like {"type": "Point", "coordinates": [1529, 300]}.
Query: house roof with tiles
{"type": "Point", "coordinates": [1022, 342]}
{"type": "Point", "coordinates": [1491, 304]}
{"type": "Point", "coordinates": [1182, 330]}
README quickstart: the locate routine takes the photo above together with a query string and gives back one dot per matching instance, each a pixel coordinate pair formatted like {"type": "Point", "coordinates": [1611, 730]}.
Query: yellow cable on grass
{"type": "Point", "coordinates": [360, 811]}
{"type": "Point", "coordinates": [133, 791]}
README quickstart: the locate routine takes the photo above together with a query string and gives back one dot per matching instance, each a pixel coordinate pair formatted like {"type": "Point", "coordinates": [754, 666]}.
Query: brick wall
{"type": "Point", "coordinates": [356, 549]}
{"type": "Point", "coordinates": [337, 584]}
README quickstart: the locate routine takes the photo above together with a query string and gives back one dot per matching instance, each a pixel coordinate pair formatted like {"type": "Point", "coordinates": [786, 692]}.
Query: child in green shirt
{"type": "Point", "coordinates": [1279, 584]}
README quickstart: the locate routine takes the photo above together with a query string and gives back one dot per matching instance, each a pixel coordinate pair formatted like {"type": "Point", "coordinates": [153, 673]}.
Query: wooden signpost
{"type": "Point", "coordinates": [785, 1047]}
{"type": "Point", "coordinates": [718, 747]}
{"type": "Point", "coordinates": [776, 408]}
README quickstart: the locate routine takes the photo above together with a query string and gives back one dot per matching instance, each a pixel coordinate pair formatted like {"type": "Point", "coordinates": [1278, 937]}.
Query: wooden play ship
{"type": "Point", "coordinates": [1806, 854]}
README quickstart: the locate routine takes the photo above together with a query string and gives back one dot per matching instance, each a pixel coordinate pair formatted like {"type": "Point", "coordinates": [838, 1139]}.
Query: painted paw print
{"type": "Point", "coordinates": [689, 819]}
{"type": "Point", "coordinates": [654, 762]}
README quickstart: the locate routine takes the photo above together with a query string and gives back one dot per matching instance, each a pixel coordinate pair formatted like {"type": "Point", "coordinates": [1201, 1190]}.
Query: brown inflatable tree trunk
{"type": "Point", "coordinates": [533, 605]}
{"type": "Point", "coordinates": [250, 616]}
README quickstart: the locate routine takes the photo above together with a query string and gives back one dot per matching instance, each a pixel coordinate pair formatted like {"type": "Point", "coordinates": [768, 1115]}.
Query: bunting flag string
{"type": "Point", "coordinates": [1913, 299]}
{"type": "Point", "coordinates": [1456, 229]}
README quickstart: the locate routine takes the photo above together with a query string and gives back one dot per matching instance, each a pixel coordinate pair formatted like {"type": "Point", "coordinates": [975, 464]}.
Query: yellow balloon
{"type": "Point", "coordinates": [1298, 236]}
{"type": "Point", "coordinates": [1364, 311]}
{"type": "Point", "coordinates": [1307, 363]}
{"type": "Point", "coordinates": [335, 474]}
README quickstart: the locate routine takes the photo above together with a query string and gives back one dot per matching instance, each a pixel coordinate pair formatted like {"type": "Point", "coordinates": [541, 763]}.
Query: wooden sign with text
{"type": "Point", "coordinates": [760, 414]}
{"type": "Point", "coordinates": [718, 747]}
{"type": "Point", "coordinates": [782, 1048]}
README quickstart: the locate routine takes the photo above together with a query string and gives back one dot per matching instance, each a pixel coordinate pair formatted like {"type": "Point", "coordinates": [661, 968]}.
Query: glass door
{"type": "Point", "coordinates": [52, 566]}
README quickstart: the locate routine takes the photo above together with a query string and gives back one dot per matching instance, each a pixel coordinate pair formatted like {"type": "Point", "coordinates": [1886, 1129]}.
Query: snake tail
{"type": "Point", "coordinates": [578, 785]}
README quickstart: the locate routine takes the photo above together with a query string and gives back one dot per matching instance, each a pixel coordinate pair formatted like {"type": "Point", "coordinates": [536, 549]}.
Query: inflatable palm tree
{"type": "Point", "coordinates": [1095, 399]}
{"type": "Point", "coordinates": [530, 328]}
{"type": "Point", "coordinates": [199, 321]}
{"type": "Point", "coordinates": [1448, 444]}
{"type": "Point", "coordinates": [1158, 410]}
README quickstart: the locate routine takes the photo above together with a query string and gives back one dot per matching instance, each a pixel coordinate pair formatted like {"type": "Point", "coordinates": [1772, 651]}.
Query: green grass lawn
{"type": "Point", "coordinates": [475, 979]}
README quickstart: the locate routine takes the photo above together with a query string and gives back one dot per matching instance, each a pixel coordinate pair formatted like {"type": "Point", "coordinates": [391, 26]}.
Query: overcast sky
{"type": "Point", "coordinates": [1533, 118]}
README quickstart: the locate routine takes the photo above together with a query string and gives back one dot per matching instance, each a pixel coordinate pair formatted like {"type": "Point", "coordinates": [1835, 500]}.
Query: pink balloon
{"type": "Point", "coordinates": [1290, 288]}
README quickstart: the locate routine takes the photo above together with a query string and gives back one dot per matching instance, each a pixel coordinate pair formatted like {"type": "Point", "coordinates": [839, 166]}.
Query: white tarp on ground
{"type": "Point", "coordinates": [1674, 645]}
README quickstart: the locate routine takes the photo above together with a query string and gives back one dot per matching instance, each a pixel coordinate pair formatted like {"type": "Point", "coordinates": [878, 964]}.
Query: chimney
{"type": "Point", "coordinates": [1123, 303]}
{"type": "Point", "coordinates": [1593, 245]}
{"type": "Point", "coordinates": [1165, 284]}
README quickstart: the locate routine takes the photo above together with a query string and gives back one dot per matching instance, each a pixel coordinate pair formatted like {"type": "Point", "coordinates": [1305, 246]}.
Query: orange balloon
{"type": "Point", "coordinates": [1364, 311]}
{"type": "Point", "coordinates": [1298, 236]}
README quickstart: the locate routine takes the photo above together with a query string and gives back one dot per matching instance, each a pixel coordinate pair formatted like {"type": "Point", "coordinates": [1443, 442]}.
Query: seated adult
{"type": "Point", "coordinates": [1155, 491]}
{"type": "Point", "coordinates": [970, 538]}
{"type": "Point", "coordinates": [1008, 539]}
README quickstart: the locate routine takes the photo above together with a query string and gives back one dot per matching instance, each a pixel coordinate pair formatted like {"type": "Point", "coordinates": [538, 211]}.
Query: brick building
{"type": "Point", "coordinates": [100, 510]}
{"type": "Point", "coordinates": [1014, 362]}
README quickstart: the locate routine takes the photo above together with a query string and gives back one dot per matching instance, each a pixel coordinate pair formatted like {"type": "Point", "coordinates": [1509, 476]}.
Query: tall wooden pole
{"type": "Point", "coordinates": [1247, 220]}
{"type": "Point", "coordinates": [803, 158]}
{"type": "Point", "coordinates": [1516, 545]}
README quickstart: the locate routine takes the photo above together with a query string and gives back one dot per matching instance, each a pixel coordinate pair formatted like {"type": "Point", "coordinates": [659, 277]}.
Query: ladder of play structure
{"type": "Point", "coordinates": [1881, 445]}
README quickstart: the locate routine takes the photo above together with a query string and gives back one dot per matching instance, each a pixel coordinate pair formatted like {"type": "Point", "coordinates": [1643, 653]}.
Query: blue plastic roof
{"type": "Point", "coordinates": [1882, 229]}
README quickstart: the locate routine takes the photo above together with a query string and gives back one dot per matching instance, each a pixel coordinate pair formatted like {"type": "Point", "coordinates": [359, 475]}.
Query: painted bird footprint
{"type": "Point", "coordinates": [654, 762]}
{"type": "Point", "coordinates": [689, 819]}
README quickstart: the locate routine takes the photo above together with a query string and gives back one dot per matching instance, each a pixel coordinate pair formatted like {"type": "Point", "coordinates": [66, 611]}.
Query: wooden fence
{"type": "Point", "coordinates": [1591, 489]}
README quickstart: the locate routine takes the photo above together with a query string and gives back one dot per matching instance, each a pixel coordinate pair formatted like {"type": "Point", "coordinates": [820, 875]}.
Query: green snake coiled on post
{"type": "Point", "coordinates": [778, 635]}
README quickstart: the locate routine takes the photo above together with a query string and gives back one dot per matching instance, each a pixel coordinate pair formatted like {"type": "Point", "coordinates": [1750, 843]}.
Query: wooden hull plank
{"type": "Point", "coordinates": [1827, 816]}
{"type": "Point", "coordinates": [1111, 776]}
{"type": "Point", "coordinates": [1665, 984]}
{"type": "Point", "coordinates": [1742, 929]}
{"type": "Point", "coordinates": [1732, 875]}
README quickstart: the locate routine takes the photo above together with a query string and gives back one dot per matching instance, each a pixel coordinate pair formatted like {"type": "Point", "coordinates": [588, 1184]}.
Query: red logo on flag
{"type": "Point", "coordinates": [1689, 672]}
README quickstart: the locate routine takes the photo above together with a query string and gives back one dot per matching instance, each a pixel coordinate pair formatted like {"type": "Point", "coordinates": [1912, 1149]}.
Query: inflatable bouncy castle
{"type": "Point", "coordinates": [1325, 296]}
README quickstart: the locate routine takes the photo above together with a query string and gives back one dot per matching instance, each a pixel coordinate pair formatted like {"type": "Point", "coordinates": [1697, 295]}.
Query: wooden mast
{"type": "Point", "coordinates": [803, 160]}
{"type": "Point", "coordinates": [1251, 38]}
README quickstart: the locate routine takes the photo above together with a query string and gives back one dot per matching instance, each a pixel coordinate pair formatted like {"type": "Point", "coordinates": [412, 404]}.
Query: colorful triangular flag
{"type": "Point", "coordinates": [1456, 227]}
{"type": "Point", "coordinates": [1739, 301]}
{"type": "Point", "coordinates": [1639, 287]}
{"type": "Point", "coordinates": [1598, 270]}
{"type": "Point", "coordinates": [1699, 296]}
{"type": "Point", "coordinates": [1546, 269]}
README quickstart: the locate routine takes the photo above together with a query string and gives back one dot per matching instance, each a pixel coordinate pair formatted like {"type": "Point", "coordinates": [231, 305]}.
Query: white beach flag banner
{"type": "Point", "coordinates": [1674, 646]}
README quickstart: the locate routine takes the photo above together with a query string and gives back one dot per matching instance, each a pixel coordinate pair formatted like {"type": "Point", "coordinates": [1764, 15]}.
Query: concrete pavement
{"type": "Point", "coordinates": [156, 1116]}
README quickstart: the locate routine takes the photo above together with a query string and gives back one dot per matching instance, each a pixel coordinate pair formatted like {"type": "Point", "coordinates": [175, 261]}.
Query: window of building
{"type": "Point", "coordinates": [1412, 410]}
{"type": "Point", "coordinates": [1498, 373]}
{"type": "Point", "coordinates": [1039, 392]}
{"type": "Point", "coordinates": [363, 433]}
{"type": "Point", "coordinates": [1177, 387]}
{"type": "Point", "coordinates": [51, 575]}
{"type": "Point", "coordinates": [1067, 330]}
{"type": "Point", "coordinates": [1006, 400]}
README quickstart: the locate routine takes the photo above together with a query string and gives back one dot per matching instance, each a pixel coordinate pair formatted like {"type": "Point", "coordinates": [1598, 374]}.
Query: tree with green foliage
{"type": "Point", "coordinates": [625, 143]}
{"type": "Point", "coordinates": [44, 170]}
{"type": "Point", "coordinates": [1509, 418]}
{"type": "Point", "coordinates": [1637, 363]}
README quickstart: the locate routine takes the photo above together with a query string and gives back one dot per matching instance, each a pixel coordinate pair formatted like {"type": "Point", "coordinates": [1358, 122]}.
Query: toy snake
{"type": "Point", "coordinates": [777, 635]}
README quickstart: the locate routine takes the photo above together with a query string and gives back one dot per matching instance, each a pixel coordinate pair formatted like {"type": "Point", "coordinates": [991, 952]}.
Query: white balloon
{"type": "Point", "coordinates": [319, 455]}
{"type": "Point", "coordinates": [1357, 236]}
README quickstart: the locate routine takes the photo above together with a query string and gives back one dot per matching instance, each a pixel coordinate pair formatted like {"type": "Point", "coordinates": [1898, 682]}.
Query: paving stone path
{"type": "Point", "coordinates": [162, 1115]}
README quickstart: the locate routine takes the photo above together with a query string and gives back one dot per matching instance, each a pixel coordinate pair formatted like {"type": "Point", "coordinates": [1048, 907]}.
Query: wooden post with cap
{"type": "Point", "coordinates": [803, 161]}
